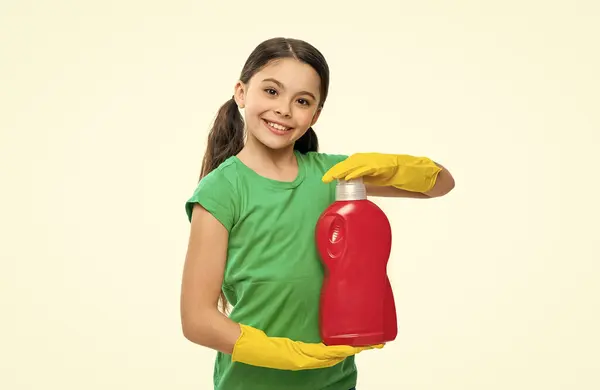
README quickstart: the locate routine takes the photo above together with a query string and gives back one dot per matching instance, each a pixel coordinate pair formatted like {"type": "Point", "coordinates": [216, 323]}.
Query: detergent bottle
{"type": "Point", "coordinates": [353, 238]}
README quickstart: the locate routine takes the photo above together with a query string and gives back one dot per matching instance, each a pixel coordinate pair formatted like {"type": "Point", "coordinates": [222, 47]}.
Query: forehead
{"type": "Point", "coordinates": [294, 75]}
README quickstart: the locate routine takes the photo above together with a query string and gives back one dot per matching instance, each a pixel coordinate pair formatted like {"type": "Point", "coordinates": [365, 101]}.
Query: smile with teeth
{"type": "Point", "coordinates": [276, 126]}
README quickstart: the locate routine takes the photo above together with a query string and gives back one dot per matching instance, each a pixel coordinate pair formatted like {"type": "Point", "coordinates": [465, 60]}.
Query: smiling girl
{"type": "Point", "coordinates": [251, 246]}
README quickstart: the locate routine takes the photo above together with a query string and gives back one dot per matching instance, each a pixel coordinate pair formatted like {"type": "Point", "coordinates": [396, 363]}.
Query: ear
{"type": "Point", "coordinates": [316, 116]}
{"type": "Point", "coordinates": [239, 94]}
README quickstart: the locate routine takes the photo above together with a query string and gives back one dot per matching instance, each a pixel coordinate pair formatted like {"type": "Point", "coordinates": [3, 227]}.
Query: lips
{"type": "Point", "coordinates": [277, 125]}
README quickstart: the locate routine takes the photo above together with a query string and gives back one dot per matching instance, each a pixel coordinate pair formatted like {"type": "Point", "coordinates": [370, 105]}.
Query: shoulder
{"type": "Point", "coordinates": [217, 193]}
{"type": "Point", "coordinates": [322, 161]}
{"type": "Point", "coordinates": [222, 177]}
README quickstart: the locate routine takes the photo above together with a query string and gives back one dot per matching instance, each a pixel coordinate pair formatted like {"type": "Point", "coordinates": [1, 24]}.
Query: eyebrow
{"type": "Point", "coordinates": [282, 87]}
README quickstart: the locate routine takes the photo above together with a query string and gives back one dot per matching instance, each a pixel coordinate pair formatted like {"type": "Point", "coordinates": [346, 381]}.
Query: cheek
{"type": "Point", "coordinates": [305, 117]}
{"type": "Point", "coordinates": [251, 111]}
{"type": "Point", "coordinates": [255, 107]}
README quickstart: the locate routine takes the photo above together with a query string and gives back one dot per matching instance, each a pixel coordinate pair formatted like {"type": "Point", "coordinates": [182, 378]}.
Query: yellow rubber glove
{"type": "Point", "coordinates": [255, 348]}
{"type": "Point", "coordinates": [417, 174]}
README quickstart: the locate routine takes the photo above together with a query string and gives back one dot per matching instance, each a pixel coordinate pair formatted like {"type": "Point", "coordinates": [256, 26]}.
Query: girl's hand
{"type": "Point", "coordinates": [417, 174]}
{"type": "Point", "coordinates": [255, 348]}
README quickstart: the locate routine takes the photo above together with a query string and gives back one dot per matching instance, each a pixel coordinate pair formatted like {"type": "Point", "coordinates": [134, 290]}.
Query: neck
{"type": "Point", "coordinates": [353, 189]}
{"type": "Point", "coordinates": [257, 153]}
{"type": "Point", "coordinates": [277, 164]}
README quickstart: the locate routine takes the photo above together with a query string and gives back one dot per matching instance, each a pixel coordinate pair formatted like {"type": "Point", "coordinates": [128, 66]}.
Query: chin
{"type": "Point", "coordinates": [275, 144]}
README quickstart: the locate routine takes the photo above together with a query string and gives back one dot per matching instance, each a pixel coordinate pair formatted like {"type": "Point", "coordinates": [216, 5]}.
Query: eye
{"type": "Point", "coordinates": [270, 91]}
{"type": "Point", "coordinates": [303, 102]}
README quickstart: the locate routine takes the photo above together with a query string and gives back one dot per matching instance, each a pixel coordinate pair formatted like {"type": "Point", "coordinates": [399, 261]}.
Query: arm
{"type": "Point", "coordinates": [443, 185]}
{"type": "Point", "coordinates": [202, 322]}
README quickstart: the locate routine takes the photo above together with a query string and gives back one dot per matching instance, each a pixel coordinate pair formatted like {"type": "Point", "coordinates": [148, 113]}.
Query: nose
{"type": "Point", "coordinates": [283, 110]}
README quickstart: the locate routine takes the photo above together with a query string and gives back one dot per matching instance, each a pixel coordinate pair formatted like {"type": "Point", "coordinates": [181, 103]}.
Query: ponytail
{"type": "Point", "coordinates": [225, 139]}
{"type": "Point", "coordinates": [308, 142]}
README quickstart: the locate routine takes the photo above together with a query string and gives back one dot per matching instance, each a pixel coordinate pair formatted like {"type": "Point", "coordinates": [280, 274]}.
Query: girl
{"type": "Point", "coordinates": [263, 186]}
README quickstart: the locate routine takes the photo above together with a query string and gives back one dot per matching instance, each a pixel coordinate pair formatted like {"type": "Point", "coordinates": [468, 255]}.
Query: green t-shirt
{"type": "Point", "coordinates": [273, 274]}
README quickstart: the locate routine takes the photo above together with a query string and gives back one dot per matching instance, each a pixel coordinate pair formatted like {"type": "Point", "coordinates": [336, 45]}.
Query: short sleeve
{"type": "Point", "coordinates": [216, 194]}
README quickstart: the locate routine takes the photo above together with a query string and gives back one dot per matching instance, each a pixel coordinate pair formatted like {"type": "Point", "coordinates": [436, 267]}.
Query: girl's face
{"type": "Point", "coordinates": [280, 102]}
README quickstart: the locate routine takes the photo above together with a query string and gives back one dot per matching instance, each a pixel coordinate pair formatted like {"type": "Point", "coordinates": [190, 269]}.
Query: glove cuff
{"type": "Point", "coordinates": [415, 174]}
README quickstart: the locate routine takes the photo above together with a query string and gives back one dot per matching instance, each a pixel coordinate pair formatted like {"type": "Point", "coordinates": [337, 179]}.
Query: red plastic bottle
{"type": "Point", "coordinates": [354, 239]}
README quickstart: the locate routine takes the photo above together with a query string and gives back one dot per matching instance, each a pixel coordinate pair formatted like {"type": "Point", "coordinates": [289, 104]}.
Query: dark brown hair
{"type": "Point", "coordinates": [226, 137]}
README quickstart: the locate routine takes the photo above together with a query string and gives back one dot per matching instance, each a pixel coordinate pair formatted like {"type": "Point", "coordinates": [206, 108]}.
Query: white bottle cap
{"type": "Point", "coordinates": [353, 189]}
